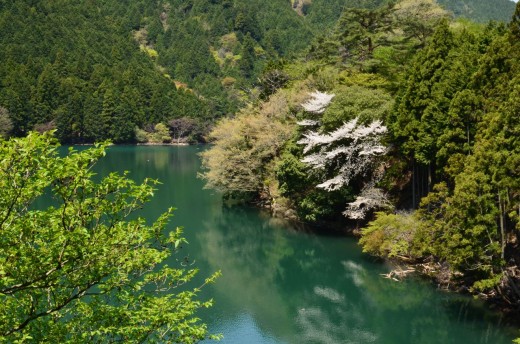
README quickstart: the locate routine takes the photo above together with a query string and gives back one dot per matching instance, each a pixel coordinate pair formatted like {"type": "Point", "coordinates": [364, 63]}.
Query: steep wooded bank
{"type": "Point", "coordinates": [411, 121]}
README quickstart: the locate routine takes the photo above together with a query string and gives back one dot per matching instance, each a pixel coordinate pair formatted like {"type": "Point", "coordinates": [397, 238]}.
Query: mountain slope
{"type": "Point", "coordinates": [74, 66]}
{"type": "Point", "coordinates": [96, 70]}
{"type": "Point", "coordinates": [481, 10]}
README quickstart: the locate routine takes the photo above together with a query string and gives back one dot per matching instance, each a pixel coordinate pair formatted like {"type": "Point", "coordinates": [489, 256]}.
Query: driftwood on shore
{"type": "Point", "coordinates": [398, 274]}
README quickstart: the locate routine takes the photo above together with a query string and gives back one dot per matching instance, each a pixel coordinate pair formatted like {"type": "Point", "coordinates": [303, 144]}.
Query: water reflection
{"type": "Point", "coordinates": [302, 288]}
{"type": "Point", "coordinates": [233, 240]}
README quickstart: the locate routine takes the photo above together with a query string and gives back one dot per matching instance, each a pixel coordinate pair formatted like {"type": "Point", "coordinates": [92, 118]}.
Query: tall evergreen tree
{"type": "Point", "coordinates": [247, 56]}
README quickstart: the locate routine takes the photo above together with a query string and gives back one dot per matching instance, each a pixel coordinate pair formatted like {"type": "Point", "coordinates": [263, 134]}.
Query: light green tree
{"type": "Point", "coordinates": [241, 159]}
{"type": "Point", "coordinates": [86, 269]}
{"type": "Point", "coordinates": [161, 133]}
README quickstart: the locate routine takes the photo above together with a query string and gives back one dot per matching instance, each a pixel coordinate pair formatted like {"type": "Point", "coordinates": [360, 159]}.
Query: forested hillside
{"type": "Point", "coordinates": [98, 71]}
{"type": "Point", "coordinates": [151, 71]}
{"type": "Point", "coordinates": [75, 66]}
{"type": "Point", "coordinates": [401, 115]}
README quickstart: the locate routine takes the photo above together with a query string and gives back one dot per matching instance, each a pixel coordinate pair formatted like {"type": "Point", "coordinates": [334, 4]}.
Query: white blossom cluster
{"type": "Point", "coordinates": [318, 102]}
{"type": "Point", "coordinates": [352, 147]}
{"type": "Point", "coordinates": [308, 123]}
{"type": "Point", "coordinates": [370, 198]}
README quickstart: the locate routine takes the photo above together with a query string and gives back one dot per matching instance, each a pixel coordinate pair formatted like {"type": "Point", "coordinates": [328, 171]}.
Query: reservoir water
{"type": "Point", "coordinates": [284, 285]}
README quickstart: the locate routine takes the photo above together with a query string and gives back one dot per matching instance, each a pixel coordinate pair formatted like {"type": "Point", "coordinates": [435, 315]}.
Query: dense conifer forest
{"type": "Point", "coordinates": [116, 69]}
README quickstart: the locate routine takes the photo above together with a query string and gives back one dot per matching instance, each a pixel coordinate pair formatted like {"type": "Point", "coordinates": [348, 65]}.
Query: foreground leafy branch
{"type": "Point", "coordinates": [86, 269]}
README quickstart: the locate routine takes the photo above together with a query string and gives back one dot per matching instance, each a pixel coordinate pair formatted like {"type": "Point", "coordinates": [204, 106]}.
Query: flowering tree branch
{"type": "Point", "coordinates": [355, 146]}
{"type": "Point", "coordinates": [370, 198]}
{"type": "Point", "coordinates": [318, 102]}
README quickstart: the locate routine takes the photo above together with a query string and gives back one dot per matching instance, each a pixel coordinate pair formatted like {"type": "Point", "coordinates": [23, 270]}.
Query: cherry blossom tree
{"type": "Point", "coordinates": [350, 153]}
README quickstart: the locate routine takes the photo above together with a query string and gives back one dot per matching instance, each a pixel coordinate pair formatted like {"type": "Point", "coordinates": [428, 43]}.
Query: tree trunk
{"type": "Point", "coordinates": [413, 187]}
{"type": "Point", "coordinates": [502, 227]}
{"type": "Point", "coordinates": [429, 177]}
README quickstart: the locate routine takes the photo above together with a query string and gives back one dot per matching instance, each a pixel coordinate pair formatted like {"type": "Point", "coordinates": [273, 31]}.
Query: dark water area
{"type": "Point", "coordinates": [283, 285]}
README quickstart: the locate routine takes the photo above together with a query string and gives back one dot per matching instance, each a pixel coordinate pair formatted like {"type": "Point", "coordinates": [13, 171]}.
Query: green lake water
{"type": "Point", "coordinates": [284, 285]}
